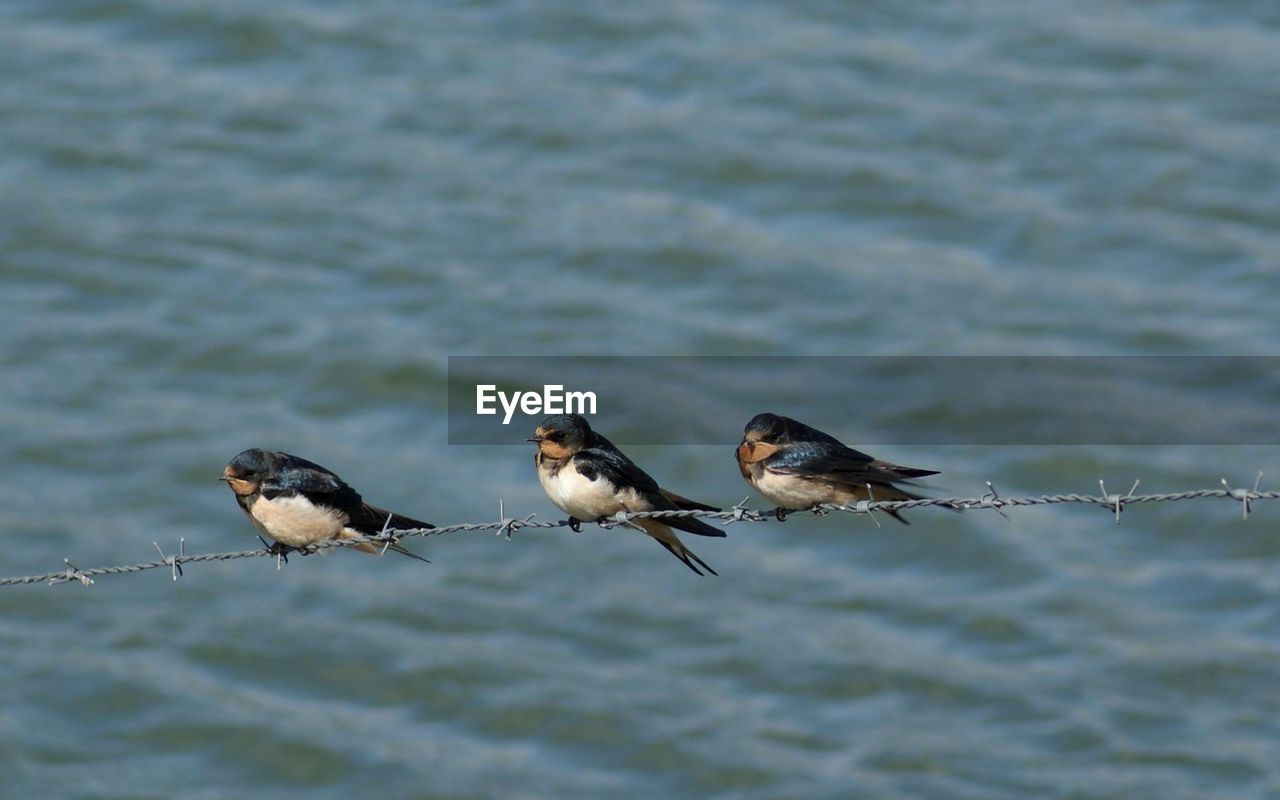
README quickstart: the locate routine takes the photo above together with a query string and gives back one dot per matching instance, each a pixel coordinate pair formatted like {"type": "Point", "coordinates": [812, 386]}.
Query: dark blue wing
{"type": "Point", "coordinates": [296, 476]}
{"type": "Point", "coordinates": [610, 463]}
{"type": "Point", "coordinates": [833, 462]}
{"type": "Point", "coordinates": [603, 459]}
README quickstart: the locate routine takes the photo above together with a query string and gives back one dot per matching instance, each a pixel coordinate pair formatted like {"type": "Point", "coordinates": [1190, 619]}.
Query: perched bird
{"type": "Point", "coordinates": [589, 478]}
{"type": "Point", "coordinates": [297, 503]}
{"type": "Point", "coordinates": [798, 467]}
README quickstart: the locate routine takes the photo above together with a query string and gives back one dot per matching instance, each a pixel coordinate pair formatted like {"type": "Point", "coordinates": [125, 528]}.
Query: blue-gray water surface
{"type": "Point", "coordinates": [270, 223]}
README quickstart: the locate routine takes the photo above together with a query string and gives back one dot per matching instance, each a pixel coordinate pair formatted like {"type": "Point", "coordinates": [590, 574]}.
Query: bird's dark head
{"type": "Point", "coordinates": [762, 437]}
{"type": "Point", "coordinates": [562, 435]}
{"type": "Point", "coordinates": [246, 472]}
{"type": "Point", "coordinates": [767, 428]}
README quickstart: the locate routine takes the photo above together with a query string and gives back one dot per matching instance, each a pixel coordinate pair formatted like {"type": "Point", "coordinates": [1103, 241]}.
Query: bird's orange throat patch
{"type": "Point", "coordinates": [552, 450]}
{"type": "Point", "coordinates": [242, 487]}
{"type": "Point", "coordinates": [751, 452]}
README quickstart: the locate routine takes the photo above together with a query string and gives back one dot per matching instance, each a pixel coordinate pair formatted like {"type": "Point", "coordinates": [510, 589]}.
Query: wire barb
{"type": "Point", "coordinates": [71, 573]}
{"type": "Point", "coordinates": [626, 519]}
{"type": "Point", "coordinates": [869, 505]}
{"type": "Point", "coordinates": [1117, 501]}
{"type": "Point", "coordinates": [386, 535]}
{"type": "Point", "coordinates": [1245, 496]}
{"type": "Point", "coordinates": [741, 511]}
{"type": "Point", "coordinates": [175, 561]}
{"type": "Point", "coordinates": [509, 525]}
{"type": "Point", "coordinates": [992, 500]}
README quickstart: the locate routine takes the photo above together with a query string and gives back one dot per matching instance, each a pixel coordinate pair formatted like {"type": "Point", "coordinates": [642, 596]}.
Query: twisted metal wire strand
{"type": "Point", "coordinates": [738, 513]}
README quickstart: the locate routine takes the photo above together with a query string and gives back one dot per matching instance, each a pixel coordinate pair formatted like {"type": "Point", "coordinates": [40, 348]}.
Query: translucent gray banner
{"type": "Point", "coordinates": [869, 400]}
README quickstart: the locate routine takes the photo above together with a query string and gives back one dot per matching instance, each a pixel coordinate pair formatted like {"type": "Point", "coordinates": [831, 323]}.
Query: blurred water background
{"type": "Point", "coordinates": [268, 223]}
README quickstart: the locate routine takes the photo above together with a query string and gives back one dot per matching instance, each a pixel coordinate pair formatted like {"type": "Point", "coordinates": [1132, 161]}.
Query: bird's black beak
{"type": "Point", "coordinates": [534, 439]}
{"type": "Point", "coordinates": [223, 478]}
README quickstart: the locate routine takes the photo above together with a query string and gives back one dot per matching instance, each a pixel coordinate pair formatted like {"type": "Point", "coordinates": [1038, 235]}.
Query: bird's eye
{"type": "Point", "coordinates": [555, 436]}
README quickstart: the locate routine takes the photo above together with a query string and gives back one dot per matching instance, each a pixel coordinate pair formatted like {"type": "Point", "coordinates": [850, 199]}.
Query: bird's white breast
{"type": "Point", "coordinates": [296, 521]}
{"type": "Point", "coordinates": [791, 491]}
{"type": "Point", "coordinates": [579, 497]}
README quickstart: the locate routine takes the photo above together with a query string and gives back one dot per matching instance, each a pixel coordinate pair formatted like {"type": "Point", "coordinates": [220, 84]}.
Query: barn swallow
{"type": "Point", "coordinates": [589, 478]}
{"type": "Point", "coordinates": [799, 467]}
{"type": "Point", "coordinates": [298, 503]}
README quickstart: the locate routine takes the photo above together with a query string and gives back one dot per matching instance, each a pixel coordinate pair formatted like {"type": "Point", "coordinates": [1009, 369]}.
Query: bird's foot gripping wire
{"type": "Point", "coordinates": [281, 551]}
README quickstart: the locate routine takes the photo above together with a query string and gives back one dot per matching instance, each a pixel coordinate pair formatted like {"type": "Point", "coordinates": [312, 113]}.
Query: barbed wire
{"type": "Point", "coordinates": [505, 525]}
